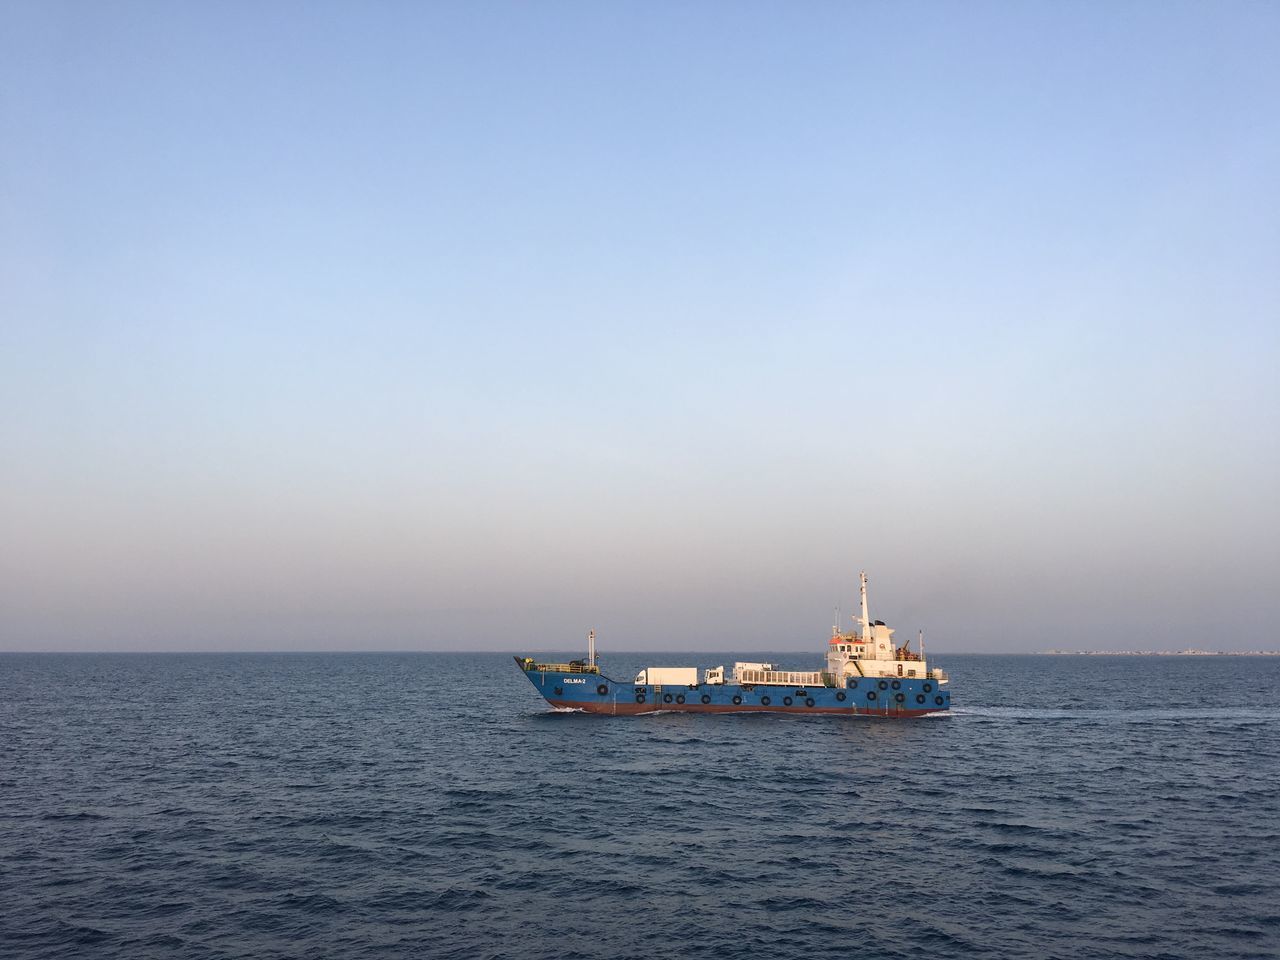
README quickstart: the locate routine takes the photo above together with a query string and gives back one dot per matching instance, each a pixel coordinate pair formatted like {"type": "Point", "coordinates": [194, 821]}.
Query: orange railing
{"type": "Point", "coordinates": [574, 666]}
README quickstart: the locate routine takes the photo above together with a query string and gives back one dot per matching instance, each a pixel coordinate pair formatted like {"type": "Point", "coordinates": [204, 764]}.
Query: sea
{"type": "Point", "coordinates": [432, 805]}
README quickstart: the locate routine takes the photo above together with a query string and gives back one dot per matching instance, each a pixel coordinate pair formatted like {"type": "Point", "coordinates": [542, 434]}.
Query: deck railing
{"type": "Point", "coordinates": [783, 678]}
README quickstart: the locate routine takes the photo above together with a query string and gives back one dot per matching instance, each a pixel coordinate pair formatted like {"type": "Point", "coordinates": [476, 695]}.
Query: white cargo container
{"type": "Point", "coordinates": [669, 676]}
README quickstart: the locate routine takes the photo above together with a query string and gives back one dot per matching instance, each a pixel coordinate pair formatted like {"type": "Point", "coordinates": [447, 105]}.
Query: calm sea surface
{"type": "Point", "coordinates": [431, 805]}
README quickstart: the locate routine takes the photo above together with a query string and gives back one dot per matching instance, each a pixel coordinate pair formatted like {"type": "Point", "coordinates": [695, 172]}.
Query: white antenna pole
{"type": "Point", "coordinates": [866, 618]}
{"type": "Point", "coordinates": [591, 648]}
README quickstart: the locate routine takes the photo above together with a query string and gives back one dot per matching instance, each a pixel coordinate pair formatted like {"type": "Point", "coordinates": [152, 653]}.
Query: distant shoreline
{"type": "Point", "coordinates": [1160, 653]}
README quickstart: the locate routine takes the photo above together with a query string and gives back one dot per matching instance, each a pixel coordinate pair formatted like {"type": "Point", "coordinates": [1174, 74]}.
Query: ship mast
{"type": "Point", "coordinates": [866, 618]}
{"type": "Point", "coordinates": [591, 648]}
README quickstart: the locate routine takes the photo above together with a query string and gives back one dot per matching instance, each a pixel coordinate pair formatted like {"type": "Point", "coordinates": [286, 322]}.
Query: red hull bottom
{"type": "Point", "coordinates": [633, 709]}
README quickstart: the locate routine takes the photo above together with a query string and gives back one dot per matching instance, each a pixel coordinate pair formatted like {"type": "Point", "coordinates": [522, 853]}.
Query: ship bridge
{"type": "Point", "coordinates": [872, 652]}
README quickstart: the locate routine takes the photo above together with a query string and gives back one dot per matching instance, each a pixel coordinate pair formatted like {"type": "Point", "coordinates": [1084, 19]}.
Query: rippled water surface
{"type": "Point", "coordinates": [390, 805]}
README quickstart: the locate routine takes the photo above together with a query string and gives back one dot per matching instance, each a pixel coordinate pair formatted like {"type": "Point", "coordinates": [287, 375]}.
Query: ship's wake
{"type": "Point", "coordinates": [1127, 715]}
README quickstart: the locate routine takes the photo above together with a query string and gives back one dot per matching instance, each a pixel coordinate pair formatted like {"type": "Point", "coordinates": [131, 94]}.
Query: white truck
{"type": "Point", "coordinates": [668, 676]}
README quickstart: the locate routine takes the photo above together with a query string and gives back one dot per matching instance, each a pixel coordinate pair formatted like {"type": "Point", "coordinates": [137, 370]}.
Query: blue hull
{"type": "Point", "coordinates": [879, 697]}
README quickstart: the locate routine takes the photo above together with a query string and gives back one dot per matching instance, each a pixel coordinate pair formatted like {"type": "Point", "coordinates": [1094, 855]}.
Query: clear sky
{"type": "Point", "coordinates": [474, 325]}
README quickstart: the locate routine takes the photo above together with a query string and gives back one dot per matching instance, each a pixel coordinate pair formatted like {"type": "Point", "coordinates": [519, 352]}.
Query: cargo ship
{"type": "Point", "coordinates": [866, 674]}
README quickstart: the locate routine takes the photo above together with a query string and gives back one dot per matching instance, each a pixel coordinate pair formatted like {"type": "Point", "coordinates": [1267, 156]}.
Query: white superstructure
{"type": "Point", "coordinates": [871, 651]}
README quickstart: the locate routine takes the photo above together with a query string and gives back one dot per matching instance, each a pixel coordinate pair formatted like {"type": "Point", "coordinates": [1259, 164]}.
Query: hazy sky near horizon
{"type": "Point", "coordinates": [474, 325]}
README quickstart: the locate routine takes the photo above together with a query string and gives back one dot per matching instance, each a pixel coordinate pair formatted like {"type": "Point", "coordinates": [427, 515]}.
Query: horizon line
{"type": "Point", "coordinates": [380, 652]}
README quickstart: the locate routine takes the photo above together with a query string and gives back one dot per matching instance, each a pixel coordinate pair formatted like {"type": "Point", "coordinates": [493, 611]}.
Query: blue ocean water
{"type": "Point", "coordinates": [388, 805]}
